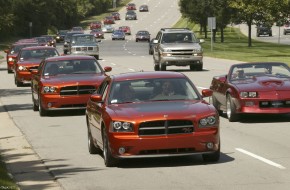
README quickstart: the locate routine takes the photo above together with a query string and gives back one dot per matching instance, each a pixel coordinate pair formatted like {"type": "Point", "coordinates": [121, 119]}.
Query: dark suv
{"type": "Point", "coordinates": [264, 30]}
{"type": "Point", "coordinates": [179, 47]}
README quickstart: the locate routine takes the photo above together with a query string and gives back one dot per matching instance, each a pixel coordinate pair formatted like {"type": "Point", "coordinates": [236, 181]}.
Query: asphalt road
{"type": "Point", "coordinates": [254, 152]}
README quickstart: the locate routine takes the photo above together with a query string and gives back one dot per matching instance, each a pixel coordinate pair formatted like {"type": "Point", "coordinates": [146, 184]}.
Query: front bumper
{"type": "Point", "coordinates": [181, 60]}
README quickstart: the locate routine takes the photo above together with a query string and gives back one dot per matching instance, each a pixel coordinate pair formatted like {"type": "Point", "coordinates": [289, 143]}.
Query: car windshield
{"type": "Point", "coordinates": [83, 39]}
{"type": "Point", "coordinates": [152, 90]}
{"type": "Point", "coordinates": [71, 67]}
{"type": "Point", "coordinates": [178, 38]}
{"type": "Point", "coordinates": [38, 54]}
{"type": "Point", "coordinates": [249, 71]}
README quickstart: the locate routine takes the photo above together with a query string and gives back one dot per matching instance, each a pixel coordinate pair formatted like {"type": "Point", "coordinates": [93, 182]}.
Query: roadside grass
{"type": "Point", "coordinates": [5, 181]}
{"type": "Point", "coordinates": [235, 46]}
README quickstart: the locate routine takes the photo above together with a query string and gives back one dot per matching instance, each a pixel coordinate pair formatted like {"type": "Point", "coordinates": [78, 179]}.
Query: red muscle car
{"type": "Point", "coordinates": [256, 88]}
{"type": "Point", "coordinates": [109, 20]}
{"type": "Point", "coordinates": [151, 114]}
{"type": "Point", "coordinates": [29, 59]}
{"type": "Point", "coordinates": [65, 82]}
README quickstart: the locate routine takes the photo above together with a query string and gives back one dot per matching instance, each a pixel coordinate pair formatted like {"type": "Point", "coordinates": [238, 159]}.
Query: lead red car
{"type": "Point", "coordinates": [151, 114]}
{"type": "Point", "coordinates": [65, 82]}
{"type": "Point", "coordinates": [252, 88]}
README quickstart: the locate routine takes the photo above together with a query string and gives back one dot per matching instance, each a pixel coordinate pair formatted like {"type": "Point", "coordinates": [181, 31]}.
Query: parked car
{"type": "Point", "coordinates": [95, 25]}
{"type": "Point", "coordinates": [151, 114]}
{"type": "Point", "coordinates": [50, 40]}
{"type": "Point", "coordinates": [12, 53]}
{"type": "Point", "coordinates": [65, 83]}
{"type": "Point", "coordinates": [29, 59]}
{"type": "Point", "coordinates": [142, 35]}
{"type": "Point", "coordinates": [252, 88]}
{"type": "Point", "coordinates": [143, 8]}
{"type": "Point", "coordinates": [131, 6]}
{"type": "Point", "coordinates": [125, 29]}
{"type": "Point", "coordinates": [67, 39]}
{"type": "Point", "coordinates": [264, 30]}
{"type": "Point", "coordinates": [84, 44]}
{"type": "Point", "coordinates": [60, 35]}
{"type": "Point", "coordinates": [108, 28]}
{"type": "Point", "coordinates": [116, 15]}
{"type": "Point", "coordinates": [131, 15]}
{"type": "Point", "coordinates": [98, 33]}
{"type": "Point", "coordinates": [118, 35]}
{"type": "Point", "coordinates": [109, 20]}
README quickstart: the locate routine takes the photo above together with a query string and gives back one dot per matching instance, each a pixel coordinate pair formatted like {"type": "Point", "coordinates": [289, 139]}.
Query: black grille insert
{"type": "Point", "coordinates": [77, 90]}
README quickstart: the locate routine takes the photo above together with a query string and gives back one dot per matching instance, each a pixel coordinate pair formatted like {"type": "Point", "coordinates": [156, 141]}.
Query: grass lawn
{"type": "Point", "coordinates": [5, 181]}
{"type": "Point", "coordinates": [235, 46]}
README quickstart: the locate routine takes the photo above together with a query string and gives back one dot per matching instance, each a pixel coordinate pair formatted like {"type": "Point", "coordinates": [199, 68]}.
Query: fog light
{"type": "Point", "coordinates": [122, 150]}
{"type": "Point", "coordinates": [49, 105]}
{"type": "Point", "coordinates": [249, 103]}
{"type": "Point", "coordinates": [209, 145]}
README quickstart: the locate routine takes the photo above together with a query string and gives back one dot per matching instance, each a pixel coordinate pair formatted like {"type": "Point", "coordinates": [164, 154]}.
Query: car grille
{"type": "Point", "coordinates": [77, 90]}
{"type": "Point", "coordinates": [274, 104]}
{"type": "Point", "coordinates": [84, 48]}
{"type": "Point", "coordinates": [165, 127]}
{"type": "Point", "coordinates": [168, 151]}
{"type": "Point", "coordinates": [182, 52]}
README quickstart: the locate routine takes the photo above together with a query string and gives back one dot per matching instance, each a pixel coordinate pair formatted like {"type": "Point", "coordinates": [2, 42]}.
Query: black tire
{"type": "Point", "coordinates": [199, 67]}
{"type": "Point", "coordinates": [42, 111]}
{"type": "Point", "coordinates": [64, 51]}
{"type": "Point", "coordinates": [35, 107]}
{"type": "Point", "coordinates": [192, 67]}
{"type": "Point", "coordinates": [156, 67]}
{"type": "Point", "coordinates": [163, 67]}
{"type": "Point", "coordinates": [231, 110]}
{"type": "Point", "coordinates": [9, 71]}
{"type": "Point", "coordinates": [18, 83]}
{"type": "Point", "coordinates": [216, 104]}
{"type": "Point", "coordinates": [92, 148]}
{"type": "Point", "coordinates": [109, 160]}
{"type": "Point", "coordinates": [136, 40]}
{"type": "Point", "coordinates": [212, 157]}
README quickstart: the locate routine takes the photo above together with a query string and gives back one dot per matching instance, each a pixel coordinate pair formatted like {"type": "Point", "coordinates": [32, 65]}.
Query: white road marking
{"type": "Point", "coordinates": [261, 158]}
{"type": "Point", "coordinates": [113, 63]}
{"type": "Point", "coordinates": [131, 69]}
{"type": "Point", "coordinates": [201, 87]}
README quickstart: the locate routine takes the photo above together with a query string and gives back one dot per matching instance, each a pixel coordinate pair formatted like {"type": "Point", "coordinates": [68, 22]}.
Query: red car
{"type": "Point", "coordinates": [96, 25]}
{"type": "Point", "coordinates": [12, 52]}
{"type": "Point", "coordinates": [151, 114]}
{"type": "Point", "coordinates": [116, 15]}
{"type": "Point", "coordinates": [252, 88]}
{"type": "Point", "coordinates": [65, 83]}
{"type": "Point", "coordinates": [29, 59]}
{"type": "Point", "coordinates": [131, 6]}
{"type": "Point", "coordinates": [109, 20]}
{"type": "Point", "coordinates": [98, 33]}
{"type": "Point", "coordinates": [42, 41]}
{"type": "Point", "coordinates": [125, 29]}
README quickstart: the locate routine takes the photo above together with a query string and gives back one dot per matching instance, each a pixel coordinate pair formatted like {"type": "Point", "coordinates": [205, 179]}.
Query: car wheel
{"type": "Point", "coordinates": [163, 67]}
{"type": "Point", "coordinates": [92, 148]}
{"type": "Point", "coordinates": [35, 107]}
{"type": "Point", "coordinates": [199, 67]}
{"type": "Point", "coordinates": [18, 83]}
{"type": "Point", "coordinates": [216, 104]}
{"type": "Point", "coordinates": [192, 67]}
{"type": "Point", "coordinates": [156, 67]}
{"type": "Point", "coordinates": [64, 51]}
{"type": "Point", "coordinates": [231, 109]}
{"type": "Point", "coordinates": [108, 157]}
{"type": "Point", "coordinates": [9, 71]}
{"type": "Point", "coordinates": [212, 157]}
{"type": "Point", "coordinates": [42, 111]}
{"type": "Point", "coordinates": [136, 40]}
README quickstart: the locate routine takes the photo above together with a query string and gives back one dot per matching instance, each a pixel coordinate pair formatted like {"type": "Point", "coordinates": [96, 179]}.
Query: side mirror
{"type": "Point", "coordinates": [206, 92]}
{"type": "Point", "coordinates": [108, 69]}
{"type": "Point", "coordinates": [96, 98]}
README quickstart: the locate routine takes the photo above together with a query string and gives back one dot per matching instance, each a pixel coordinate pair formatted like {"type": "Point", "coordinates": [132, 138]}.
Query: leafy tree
{"type": "Point", "coordinates": [6, 18]}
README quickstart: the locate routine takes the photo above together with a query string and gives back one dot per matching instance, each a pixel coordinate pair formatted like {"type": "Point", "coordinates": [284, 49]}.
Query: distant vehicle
{"type": "Point", "coordinates": [95, 25]}
{"type": "Point", "coordinates": [125, 29]}
{"type": "Point", "coordinates": [286, 28]}
{"type": "Point", "coordinates": [142, 35]}
{"type": "Point", "coordinates": [108, 28]}
{"type": "Point", "coordinates": [143, 8]}
{"type": "Point", "coordinates": [131, 6]}
{"type": "Point", "coordinates": [67, 38]}
{"type": "Point", "coordinates": [116, 15]}
{"type": "Point", "coordinates": [118, 35]}
{"type": "Point", "coordinates": [84, 44]}
{"type": "Point", "coordinates": [131, 15]}
{"type": "Point", "coordinates": [50, 40]}
{"type": "Point", "coordinates": [12, 53]}
{"type": "Point", "coordinates": [98, 33]}
{"type": "Point", "coordinates": [42, 41]}
{"type": "Point", "coordinates": [252, 88]}
{"type": "Point", "coordinates": [263, 30]}
{"type": "Point", "coordinates": [151, 114]}
{"type": "Point", "coordinates": [60, 35]}
{"type": "Point", "coordinates": [109, 20]}
{"type": "Point", "coordinates": [65, 83]}
{"type": "Point", "coordinates": [77, 29]}
{"type": "Point", "coordinates": [29, 59]}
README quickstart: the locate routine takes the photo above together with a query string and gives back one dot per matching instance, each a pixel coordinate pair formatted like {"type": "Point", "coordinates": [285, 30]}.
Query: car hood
{"type": "Point", "coordinates": [68, 79]}
{"type": "Point", "coordinates": [30, 62]}
{"type": "Point", "coordinates": [181, 46]}
{"type": "Point", "coordinates": [158, 110]}
{"type": "Point", "coordinates": [264, 83]}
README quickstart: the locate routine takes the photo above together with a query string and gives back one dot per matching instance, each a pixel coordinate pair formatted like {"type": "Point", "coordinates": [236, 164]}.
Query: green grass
{"type": "Point", "coordinates": [235, 46]}
{"type": "Point", "coordinates": [5, 181]}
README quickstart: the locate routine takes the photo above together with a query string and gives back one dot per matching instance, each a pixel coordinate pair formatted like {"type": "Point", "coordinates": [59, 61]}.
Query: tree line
{"type": "Point", "coordinates": [229, 12]}
{"type": "Point", "coordinates": [21, 17]}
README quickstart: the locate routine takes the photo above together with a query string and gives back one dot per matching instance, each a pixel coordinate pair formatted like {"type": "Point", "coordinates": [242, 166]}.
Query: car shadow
{"type": "Point", "coordinates": [186, 70]}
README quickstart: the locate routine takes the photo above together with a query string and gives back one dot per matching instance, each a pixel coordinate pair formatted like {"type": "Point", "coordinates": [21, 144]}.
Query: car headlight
{"type": "Point", "coordinates": [10, 59]}
{"type": "Point", "coordinates": [49, 89]}
{"type": "Point", "coordinates": [119, 126]}
{"type": "Point", "coordinates": [249, 94]}
{"type": "Point", "coordinates": [22, 68]}
{"type": "Point", "coordinates": [208, 121]}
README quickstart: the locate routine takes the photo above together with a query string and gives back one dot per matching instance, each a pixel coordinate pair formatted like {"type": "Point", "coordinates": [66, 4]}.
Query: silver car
{"type": "Point", "coordinates": [84, 44]}
{"type": "Point", "coordinates": [118, 35]}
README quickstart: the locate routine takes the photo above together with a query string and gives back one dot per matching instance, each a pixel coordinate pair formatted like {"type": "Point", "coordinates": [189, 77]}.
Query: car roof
{"type": "Point", "coordinates": [70, 57]}
{"type": "Point", "coordinates": [83, 35]}
{"type": "Point", "coordinates": [38, 47]}
{"type": "Point", "coordinates": [147, 75]}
